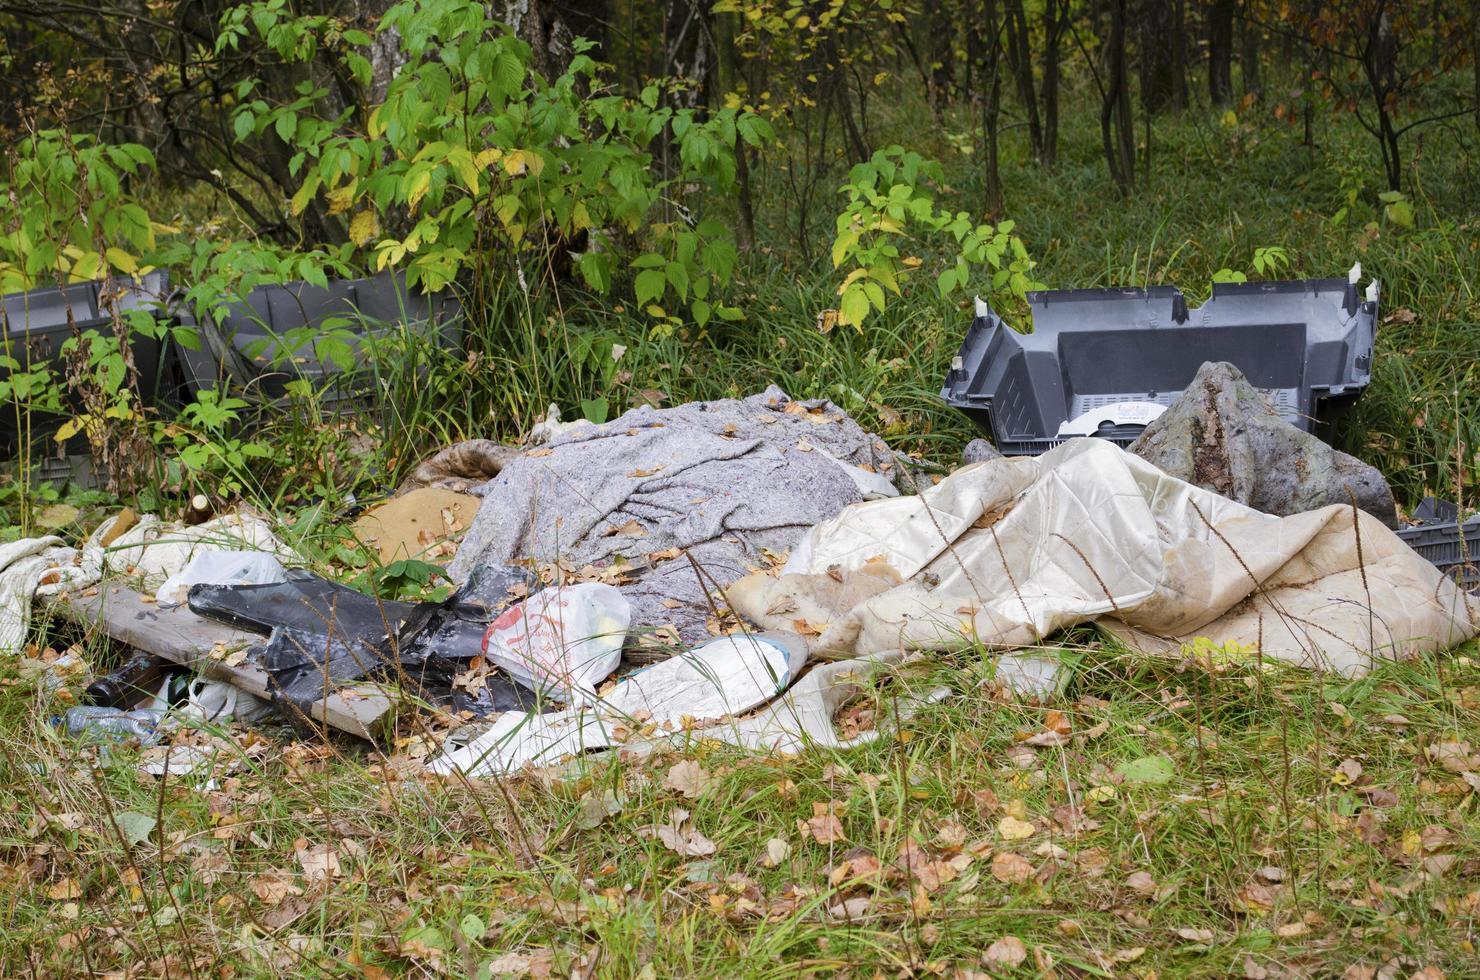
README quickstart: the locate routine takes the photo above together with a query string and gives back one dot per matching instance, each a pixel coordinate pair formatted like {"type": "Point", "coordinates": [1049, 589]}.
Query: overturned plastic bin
{"type": "Point", "coordinates": [1105, 362]}
{"type": "Point", "coordinates": [34, 325]}
{"type": "Point", "coordinates": [290, 332]}
{"type": "Point", "coordinates": [1451, 545]}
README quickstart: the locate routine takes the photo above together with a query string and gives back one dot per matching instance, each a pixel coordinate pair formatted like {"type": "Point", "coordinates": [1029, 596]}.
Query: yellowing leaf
{"type": "Point", "coordinates": [520, 161]}
{"type": "Point", "coordinates": [417, 186]}
{"type": "Point", "coordinates": [363, 228]}
{"type": "Point", "coordinates": [1011, 828]}
{"type": "Point", "coordinates": [340, 198]}
{"type": "Point", "coordinates": [65, 890]}
{"type": "Point", "coordinates": [123, 261]}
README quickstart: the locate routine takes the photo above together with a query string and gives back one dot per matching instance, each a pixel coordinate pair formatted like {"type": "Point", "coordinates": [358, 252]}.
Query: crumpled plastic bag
{"type": "Point", "coordinates": [220, 568]}
{"type": "Point", "coordinates": [562, 641]}
{"type": "Point", "coordinates": [717, 680]}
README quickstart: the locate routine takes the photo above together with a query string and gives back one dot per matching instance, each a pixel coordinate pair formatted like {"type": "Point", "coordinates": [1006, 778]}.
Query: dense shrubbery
{"type": "Point", "coordinates": [639, 218]}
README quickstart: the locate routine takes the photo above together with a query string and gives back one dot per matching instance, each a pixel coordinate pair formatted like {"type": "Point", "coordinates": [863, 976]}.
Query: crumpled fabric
{"type": "Point", "coordinates": [724, 480]}
{"type": "Point", "coordinates": [151, 549]}
{"type": "Point", "coordinates": [156, 550]}
{"type": "Point", "coordinates": [1008, 551]}
{"type": "Point", "coordinates": [31, 567]}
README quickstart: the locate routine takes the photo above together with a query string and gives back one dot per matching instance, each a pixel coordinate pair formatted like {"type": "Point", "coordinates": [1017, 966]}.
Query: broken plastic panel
{"type": "Point", "coordinates": [35, 324]}
{"type": "Point", "coordinates": [298, 331]}
{"type": "Point", "coordinates": [1105, 362]}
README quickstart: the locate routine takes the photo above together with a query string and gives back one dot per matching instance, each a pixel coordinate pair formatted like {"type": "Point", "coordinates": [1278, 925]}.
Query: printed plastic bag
{"type": "Point", "coordinates": [562, 641]}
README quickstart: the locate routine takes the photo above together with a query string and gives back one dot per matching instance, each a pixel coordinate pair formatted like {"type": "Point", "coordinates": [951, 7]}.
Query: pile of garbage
{"type": "Point", "coordinates": [736, 569]}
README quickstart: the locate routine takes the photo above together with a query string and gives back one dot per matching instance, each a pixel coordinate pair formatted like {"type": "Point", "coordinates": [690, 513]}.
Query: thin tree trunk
{"type": "Point", "coordinates": [1220, 52]}
{"type": "Point", "coordinates": [1249, 55]}
{"type": "Point", "coordinates": [1158, 54]}
{"type": "Point", "coordinates": [1020, 62]}
{"type": "Point", "coordinates": [1055, 16]}
{"type": "Point", "coordinates": [1475, 49]}
{"type": "Point", "coordinates": [985, 39]}
{"type": "Point", "coordinates": [942, 67]}
{"type": "Point", "coordinates": [1115, 107]}
{"type": "Point", "coordinates": [744, 209]}
{"type": "Point", "coordinates": [1180, 99]}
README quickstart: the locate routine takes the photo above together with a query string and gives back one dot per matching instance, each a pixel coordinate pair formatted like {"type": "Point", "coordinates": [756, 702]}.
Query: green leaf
{"type": "Point", "coordinates": [679, 276]}
{"type": "Point", "coordinates": [135, 827]}
{"type": "Point", "coordinates": [472, 928]}
{"type": "Point", "coordinates": [650, 285]}
{"type": "Point", "coordinates": [853, 308]}
{"type": "Point", "coordinates": [596, 270]}
{"type": "Point", "coordinates": [595, 410]}
{"type": "Point", "coordinates": [946, 282]}
{"type": "Point", "coordinates": [1150, 769]}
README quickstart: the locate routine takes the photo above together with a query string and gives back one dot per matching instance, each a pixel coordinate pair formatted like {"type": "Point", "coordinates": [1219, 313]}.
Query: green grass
{"type": "Point", "coordinates": [446, 874]}
{"type": "Point", "coordinates": [535, 875]}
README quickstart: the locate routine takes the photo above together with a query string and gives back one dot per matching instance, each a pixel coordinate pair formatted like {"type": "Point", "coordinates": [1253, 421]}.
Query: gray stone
{"type": "Point", "coordinates": [979, 450]}
{"type": "Point", "coordinates": [1223, 435]}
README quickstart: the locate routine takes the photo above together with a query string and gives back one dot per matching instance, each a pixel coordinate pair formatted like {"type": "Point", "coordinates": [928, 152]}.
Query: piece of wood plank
{"type": "Point", "coordinates": [181, 636]}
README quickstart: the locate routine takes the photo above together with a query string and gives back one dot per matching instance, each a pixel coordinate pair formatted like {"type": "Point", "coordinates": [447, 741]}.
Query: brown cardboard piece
{"type": "Point", "coordinates": [425, 524]}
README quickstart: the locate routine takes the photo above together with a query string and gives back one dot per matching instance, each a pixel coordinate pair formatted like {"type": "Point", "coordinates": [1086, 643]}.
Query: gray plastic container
{"type": "Point", "coordinates": [1453, 547]}
{"type": "Point", "coordinates": [256, 348]}
{"type": "Point", "coordinates": [35, 324]}
{"type": "Point", "coordinates": [1098, 361]}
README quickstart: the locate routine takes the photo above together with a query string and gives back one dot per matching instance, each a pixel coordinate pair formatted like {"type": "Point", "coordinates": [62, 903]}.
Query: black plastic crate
{"type": "Point", "coordinates": [35, 324]}
{"type": "Point", "coordinates": [258, 347]}
{"type": "Point", "coordinates": [1103, 362]}
{"type": "Point", "coordinates": [1453, 547]}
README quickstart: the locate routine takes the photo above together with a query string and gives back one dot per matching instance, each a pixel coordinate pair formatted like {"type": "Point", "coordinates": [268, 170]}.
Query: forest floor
{"type": "Point", "coordinates": [1191, 817]}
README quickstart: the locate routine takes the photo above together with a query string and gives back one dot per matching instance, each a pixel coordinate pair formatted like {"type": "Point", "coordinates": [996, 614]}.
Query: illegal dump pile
{"type": "Point", "coordinates": [739, 570]}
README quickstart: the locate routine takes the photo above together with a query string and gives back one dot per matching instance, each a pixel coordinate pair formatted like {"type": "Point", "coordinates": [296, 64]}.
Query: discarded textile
{"type": "Point", "coordinates": [1008, 551]}
{"type": "Point", "coordinates": [724, 481]}
{"type": "Point", "coordinates": [714, 681]}
{"type": "Point", "coordinates": [31, 567]}
{"type": "Point", "coordinates": [154, 550]}
{"type": "Point", "coordinates": [1223, 435]}
{"type": "Point", "coordinates": [460, 466]}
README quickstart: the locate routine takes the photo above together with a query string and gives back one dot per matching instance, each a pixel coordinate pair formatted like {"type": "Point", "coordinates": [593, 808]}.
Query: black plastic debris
{"type": "Point", "coordinates": [301, 332]}
{"type": "Point", "coordinates": [323, 636]}
{"type": "Point", "coordinates": [35, 324]}
{"type": "Point", "coordinates": [1105, 362]}
{"type": "Point", "coordinates": [305, 601]}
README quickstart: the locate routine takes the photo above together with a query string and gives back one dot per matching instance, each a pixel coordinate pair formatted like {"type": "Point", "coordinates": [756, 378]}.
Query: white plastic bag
{"type": "Point", "coordinates": [722, 678]}
{"type": "Point", "coordinates": [562, 641]}
{"type": "Point", "coordinates": [220, 568]}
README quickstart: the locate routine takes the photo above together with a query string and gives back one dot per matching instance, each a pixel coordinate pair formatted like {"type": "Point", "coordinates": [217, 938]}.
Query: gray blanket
{"type": "Point", "coordinates": [721, 480]}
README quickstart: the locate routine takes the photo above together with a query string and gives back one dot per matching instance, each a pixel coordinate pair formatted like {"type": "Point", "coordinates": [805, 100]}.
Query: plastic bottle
{"type": "Point", "coordinates": [113, 724]}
